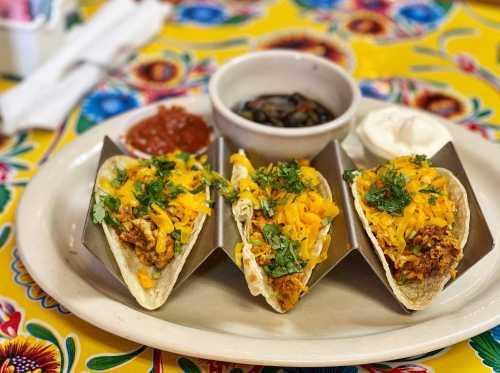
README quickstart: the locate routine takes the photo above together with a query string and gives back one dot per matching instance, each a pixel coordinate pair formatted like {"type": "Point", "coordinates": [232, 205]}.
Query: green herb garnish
{"type": "Point", "coordinates": [419, 158]}
{"type": "Point", "coordinates": [183, 156]}
{"type": "Point", "coordinates": [98, 213]}
{"type": "Point", "coordinates": [174, 190]}
{"type": "Point", "coordinates": [164, 167]}
{"type": "Point", "coordinates": [200, 188]}
{"type": "Point", "coordinates": [120, 178]}
{"type": "Point", "coordinates": [152, 193]}
{"type": "Point", "coordinates": [432, 200]}
{"type": "Point", "coordinates": [282, 176]}
{"type": "Point", "coordinates": [176, 235]}
{"type": "Point", "coordinates": [327, 220]}
{"type": "Point", "coordinates": [430, 189]}
{"type": "Point", "coordinates": [401, 279]}
{"type": "Point", "coordinates": [137, 187]}
{"type": "Point", "coordinates": [349, 175]}
{"type": "Point", "coordinates": [102, 211]}
{"type": "Point", "coordinates": [256, 242]}
{"type": "Point", "coordinates": [286, 260]}
{"type": "Point", "coordinates": [416, 250]}
{"type": "Point", "coordinates": [392, 197]}
{"type": "Point", "coordinates": [267, 207]}
{"type": "Point", "coordinates": [222, 186]}
{"type": "Point", "coordinates": [156, 275]}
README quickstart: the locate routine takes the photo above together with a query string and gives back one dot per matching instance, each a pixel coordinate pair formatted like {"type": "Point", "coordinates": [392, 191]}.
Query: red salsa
{"type": "Point", "coordinates": [169, 129]}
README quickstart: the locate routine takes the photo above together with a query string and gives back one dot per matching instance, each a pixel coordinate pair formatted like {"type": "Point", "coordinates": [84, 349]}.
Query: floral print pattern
{"type": "Point", "coordinates": [421, 53]}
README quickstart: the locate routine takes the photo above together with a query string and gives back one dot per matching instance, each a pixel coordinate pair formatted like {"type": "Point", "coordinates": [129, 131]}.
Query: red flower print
{"type": "Point", "coordinates": [10, 318]}
{"type": "Point", "coordinates": [474, 127]}
{"type": "Point", "coordinates": [27, 354]}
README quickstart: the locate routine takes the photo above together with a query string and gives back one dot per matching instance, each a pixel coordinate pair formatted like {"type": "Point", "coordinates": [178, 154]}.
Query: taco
{"type": "Point", "coordinates": [417, 218]}
{"type": "Point", "coordinates": [283, 213]}
{"type": "Point", "coordinates": [152, 212]}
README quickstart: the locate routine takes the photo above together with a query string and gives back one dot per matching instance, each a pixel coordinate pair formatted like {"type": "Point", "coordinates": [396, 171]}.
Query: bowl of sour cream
{"type": "Point", "coordinates": [395, 131]}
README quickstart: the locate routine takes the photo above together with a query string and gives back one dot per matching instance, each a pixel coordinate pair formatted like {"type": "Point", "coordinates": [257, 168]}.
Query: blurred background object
{"type": "Point", "coordinates": [30, 32]}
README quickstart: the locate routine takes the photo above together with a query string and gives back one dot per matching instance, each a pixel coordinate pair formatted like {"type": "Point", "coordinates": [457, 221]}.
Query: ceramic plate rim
{"type": "Point", "coordinates": [185, 340]}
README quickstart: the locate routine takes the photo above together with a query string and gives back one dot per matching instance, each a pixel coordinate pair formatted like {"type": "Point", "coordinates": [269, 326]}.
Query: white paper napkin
{"type": "Point", "coordinates": [46, 97]}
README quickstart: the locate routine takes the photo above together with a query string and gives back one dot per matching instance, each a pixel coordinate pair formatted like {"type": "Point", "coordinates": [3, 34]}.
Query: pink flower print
{"type": "Point", "coordinates": [4, 171]}
{"type": "Point", "coordinates": [466, 63]}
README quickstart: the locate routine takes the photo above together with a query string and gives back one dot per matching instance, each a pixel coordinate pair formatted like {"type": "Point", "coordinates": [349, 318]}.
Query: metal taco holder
{"type": "Point", "coordinates": [348, 235]}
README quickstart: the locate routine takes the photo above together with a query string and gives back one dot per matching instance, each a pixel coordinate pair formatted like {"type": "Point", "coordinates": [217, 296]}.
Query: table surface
{"type": "Point", "coordinates": [440, 56]}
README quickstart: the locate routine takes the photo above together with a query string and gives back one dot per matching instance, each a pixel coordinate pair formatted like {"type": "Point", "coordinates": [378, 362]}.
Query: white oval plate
{"type": "Point", "coordinates": [349, 318]}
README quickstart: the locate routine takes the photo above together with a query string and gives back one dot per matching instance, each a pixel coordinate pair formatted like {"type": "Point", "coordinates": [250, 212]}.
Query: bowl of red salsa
{"type": "Point", "coordinates": [166, 128]}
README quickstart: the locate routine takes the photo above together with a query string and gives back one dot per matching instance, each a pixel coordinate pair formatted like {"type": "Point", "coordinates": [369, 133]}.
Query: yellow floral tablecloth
{"type": "Point", "coordinates": [441, 56]}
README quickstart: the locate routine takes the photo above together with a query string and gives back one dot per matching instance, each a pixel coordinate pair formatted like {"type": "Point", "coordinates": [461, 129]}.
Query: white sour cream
{"type": "Point", "coordinates": [397, 131]}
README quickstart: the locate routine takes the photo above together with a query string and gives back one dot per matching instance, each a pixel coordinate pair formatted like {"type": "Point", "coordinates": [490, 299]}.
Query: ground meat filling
{"type": "Point", "coordinates": [436, 251]}
{"type": "Point", "coordinates": [140, 235]}
{"type": "Point", "coordinates": [289, 289]}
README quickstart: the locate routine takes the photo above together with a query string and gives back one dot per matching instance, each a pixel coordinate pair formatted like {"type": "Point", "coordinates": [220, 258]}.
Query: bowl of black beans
{"type": "Point", "coordinates": [283, 104]}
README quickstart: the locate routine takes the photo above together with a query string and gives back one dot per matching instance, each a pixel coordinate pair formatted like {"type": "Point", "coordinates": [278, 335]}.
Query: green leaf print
{"type": "Point", "coordinates": [4, 234]}
{"type": "Point", "coordinates": [187, 365]}
{"type": "Point", "coordinates": [105, 362]}
{"type": "Point", "coordinates": [71, 351]}
{"type": "Point", "coordinates": [488, 350]}
{"type": "Point", "coordinates": [4, 197]}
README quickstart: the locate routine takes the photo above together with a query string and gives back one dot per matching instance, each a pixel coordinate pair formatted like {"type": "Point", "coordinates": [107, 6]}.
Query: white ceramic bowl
{"type": "Point", "coordinates": [283, 72]}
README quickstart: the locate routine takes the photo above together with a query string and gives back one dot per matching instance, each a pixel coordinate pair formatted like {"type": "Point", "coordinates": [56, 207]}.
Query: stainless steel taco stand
{"type": "Point", "coordinates": [348, 235]}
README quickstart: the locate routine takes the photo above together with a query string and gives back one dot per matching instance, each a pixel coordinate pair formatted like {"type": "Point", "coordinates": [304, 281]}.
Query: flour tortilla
{"type": "Point", "coordinates": [418, 295]}
{"type": "Point", "coordinates": [125, 257]}
{"type": "Point", "coordinates": [255, 276]}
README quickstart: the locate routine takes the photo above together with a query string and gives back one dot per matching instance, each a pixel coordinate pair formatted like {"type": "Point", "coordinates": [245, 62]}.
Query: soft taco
{"type": "Point", "coordinates": [283, 213]}
{"type": "Point", "coordinates": [152, 212]}
{"type": "Point", "coordinates": [417, 218]}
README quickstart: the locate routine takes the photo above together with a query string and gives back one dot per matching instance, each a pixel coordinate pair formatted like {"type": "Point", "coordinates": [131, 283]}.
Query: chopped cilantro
{"type": "Point", "coordinates": [200, 188]}
{"type": "Point", "coordinates": [419, 158]}
{"type": "Point", "coordinates": [267, 207]}
{"type": "Point", "coordinates": [256, 242]}
{"type": "Point", "coordinates": [401, 279]}
{"type": "Point", "coordinates": [120, 178]}
{"type": "Point", "coordinates": [155, 275]}
{"type": "Point", "coordinates": [176, 235]}
{"type": "Point", "coordinates": [174, 190]}
{"type": "Point", "coordinates": [183, 156]}
{"type": "Point", "coordinates": [231, 197]}
{"type": "Point", "coordinates": [392, 197]}
{"type": "Point", "coordinates": [103, 209]}
{"type": "Point", "coordinates": [432, 200]}
{"type": "Point", "coordinates": [112, 203]}
{"type": "Point", "coordinates": [286, 260]}
{"type": "Point", "coordinates": [282, 176]}
{"type": "Point", "coordinates": [222, 186]}
{"type": "Point", "coordinates": [416, 250]}
{"type": "Point", "coordinates": [211, 203]}
{"type": "Point", "coordinates": [327, 220]}
{"type": "Point", "coordinates": [137, 186]}
{"type": "Point", "coordinates": [164, 167]}
{"type": "Point", "coordinates": [429, 189]}
{"type": "Point", "coordinates": [98, 213]}
{"type": "Point", "coordinates": [140, 211]}
{"type": "Point", "coordinates": [349, 175]}
{"type": "Point", "coordinates": [152, 193]}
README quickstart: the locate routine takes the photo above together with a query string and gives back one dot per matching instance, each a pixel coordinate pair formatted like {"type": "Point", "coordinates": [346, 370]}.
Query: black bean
{"type": "Point", "coordinates": [293, 110]}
